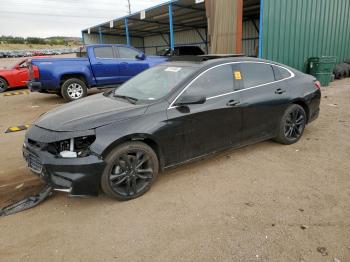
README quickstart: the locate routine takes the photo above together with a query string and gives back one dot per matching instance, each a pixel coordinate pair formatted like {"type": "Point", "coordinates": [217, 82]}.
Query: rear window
{"type": "Point", "coordinates": [280, 73]}
{"type": "Point", "coordinates": [104, 52]}
{"type": "Point", "coordinates": [254, 74]}
{"type": "Point", "coordinates": [81, 52]}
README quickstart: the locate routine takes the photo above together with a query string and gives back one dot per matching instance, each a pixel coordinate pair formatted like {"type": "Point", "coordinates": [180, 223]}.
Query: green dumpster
{"type": "Point", "coordinates": [322, 68]}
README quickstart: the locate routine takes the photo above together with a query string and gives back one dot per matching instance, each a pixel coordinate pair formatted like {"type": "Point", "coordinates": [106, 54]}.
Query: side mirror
{"type": "Point", "coordinates": [190, 100]}
{"type": "Point", "coordinates": [141, 56]}
{"type": "Point", "coordinates": [17, 67]}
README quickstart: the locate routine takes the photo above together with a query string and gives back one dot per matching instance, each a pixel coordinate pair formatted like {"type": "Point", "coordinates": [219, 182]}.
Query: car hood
{"type": "Point", "coordinates": [88, 113]}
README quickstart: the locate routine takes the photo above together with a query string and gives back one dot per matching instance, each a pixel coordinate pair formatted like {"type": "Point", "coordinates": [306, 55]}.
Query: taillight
{"type": "Point", "coordinates": [317, 84]}
{"type": "Point", "coordinates": [36, 74]}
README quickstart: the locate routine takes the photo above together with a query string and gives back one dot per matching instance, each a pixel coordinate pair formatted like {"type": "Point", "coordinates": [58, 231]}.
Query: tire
{"type": "Point", "coordinates": [73, 89]}
{"type": "Point", "coordinates": [346, 68]}
{"type": "Point", "coordinates": [122, 179]}
{"type": "Point", "coordinates": [339, 72]}
{"type": "Point", "coordinates": [3, 85]}
{"type": "Point", "coordinates": [292, 125]}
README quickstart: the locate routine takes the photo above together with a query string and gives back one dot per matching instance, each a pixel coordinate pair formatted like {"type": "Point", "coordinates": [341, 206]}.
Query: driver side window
{"type": "Point", "coordinates": [216, 81]}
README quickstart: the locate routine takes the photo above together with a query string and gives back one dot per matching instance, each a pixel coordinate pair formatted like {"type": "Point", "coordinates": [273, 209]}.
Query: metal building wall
{"type": "Point", "coordinates": [298, 29]}
{"type": "Point", "coordinates": [111, 39]}
{"type": "Point", "coordinates": [250, 38]}
{"type": "Point", "coordinates": [157, 42]}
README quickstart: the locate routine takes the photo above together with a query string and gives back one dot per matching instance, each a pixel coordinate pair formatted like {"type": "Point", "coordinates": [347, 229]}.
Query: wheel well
{"type": "Point", "coordinates": [305, 107]}
{"type": "Point", "coordinates": [148, 141]}
{"type": "Point", "coordinates": [69, 76]}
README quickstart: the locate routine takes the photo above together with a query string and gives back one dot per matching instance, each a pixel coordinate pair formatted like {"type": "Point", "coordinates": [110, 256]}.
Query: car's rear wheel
{"type": "Point", "coordinates": [130, 172]}
{"type": "Point", "coordinates": [73, 89]}
{"type": "Point", "coordinates": [3, 85]}
{"type": "Point", "coordinates": [292, 125]}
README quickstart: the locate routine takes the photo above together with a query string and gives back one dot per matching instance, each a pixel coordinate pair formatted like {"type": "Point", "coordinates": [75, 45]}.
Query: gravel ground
{"type": "Point", "coordinates": [265, 202]}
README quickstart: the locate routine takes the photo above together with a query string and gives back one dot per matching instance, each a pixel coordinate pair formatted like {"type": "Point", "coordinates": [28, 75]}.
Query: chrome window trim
{"type": "Point", "coordinates": [237, 91]}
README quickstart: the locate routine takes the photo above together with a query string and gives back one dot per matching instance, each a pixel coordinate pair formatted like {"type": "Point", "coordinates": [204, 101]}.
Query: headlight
{"type": "Point", "coordinates": [72, 148]}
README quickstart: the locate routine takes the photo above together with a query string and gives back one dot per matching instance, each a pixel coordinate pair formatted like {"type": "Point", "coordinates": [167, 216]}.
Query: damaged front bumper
{"type": "Point", "coordinates": [79, 176]}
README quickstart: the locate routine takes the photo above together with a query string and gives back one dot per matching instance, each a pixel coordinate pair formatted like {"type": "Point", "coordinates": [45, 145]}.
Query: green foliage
{"type": "Point", "coordinates": [58, 40]}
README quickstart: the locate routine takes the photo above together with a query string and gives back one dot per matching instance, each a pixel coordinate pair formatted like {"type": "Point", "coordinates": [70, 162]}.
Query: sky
{"type": "Point", "coordinates": [44, 18]}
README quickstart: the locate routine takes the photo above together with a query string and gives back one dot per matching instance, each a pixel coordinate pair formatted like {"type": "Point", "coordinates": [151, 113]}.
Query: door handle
{"type": "Point", "coordinates": [232, 103]}
{"type": "Point", "coordinates": [99, 63]}
{"type": "Point", "coordinates": [280, 91]}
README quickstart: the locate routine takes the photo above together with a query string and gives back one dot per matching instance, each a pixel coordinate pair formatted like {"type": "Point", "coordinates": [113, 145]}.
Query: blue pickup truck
{"type": "Point", "coordinates": [99, 66]}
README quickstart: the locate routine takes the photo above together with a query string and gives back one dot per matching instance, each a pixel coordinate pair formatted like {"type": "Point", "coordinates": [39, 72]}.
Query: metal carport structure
{"type": "Point", "coordinates": [177, 22]}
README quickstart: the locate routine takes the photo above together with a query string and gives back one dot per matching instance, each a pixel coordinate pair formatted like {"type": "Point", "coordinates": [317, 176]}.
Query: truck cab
{"type": "Point", "coordinates": [97, 66]}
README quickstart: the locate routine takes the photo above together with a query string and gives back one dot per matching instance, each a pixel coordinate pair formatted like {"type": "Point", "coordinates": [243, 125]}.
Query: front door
{"type": "Point", "coordinates": [129, 65]}
{"type": "Point", "coordinates": [205, 128]}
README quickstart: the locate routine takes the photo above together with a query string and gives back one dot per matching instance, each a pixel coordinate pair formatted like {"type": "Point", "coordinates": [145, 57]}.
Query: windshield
{"type": "Point", "coordinates": [154, 83]}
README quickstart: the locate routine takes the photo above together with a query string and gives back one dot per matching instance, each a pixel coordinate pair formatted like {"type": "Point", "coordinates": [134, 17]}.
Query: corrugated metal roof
{"type": "Point", "coordinates": [186, 15]}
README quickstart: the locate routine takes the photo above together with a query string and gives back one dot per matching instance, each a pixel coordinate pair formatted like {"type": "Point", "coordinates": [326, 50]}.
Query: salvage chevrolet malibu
{"type": "Point", "coordinates": [172, 113]}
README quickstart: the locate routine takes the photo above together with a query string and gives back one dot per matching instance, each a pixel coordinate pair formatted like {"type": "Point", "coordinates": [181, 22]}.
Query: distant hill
{"type": "Point", "coordinates": [56, 40]}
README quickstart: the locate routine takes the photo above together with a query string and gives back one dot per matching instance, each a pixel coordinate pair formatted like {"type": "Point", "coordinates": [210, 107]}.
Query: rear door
{"type": "Point", "coordinates": [197, 130]}
{"type": "Point", "coordinates": [129, 64]}
{"type": "Point", "coordinates": [105, 65]}
{"type": "Point", "coordinates": [263, 99]}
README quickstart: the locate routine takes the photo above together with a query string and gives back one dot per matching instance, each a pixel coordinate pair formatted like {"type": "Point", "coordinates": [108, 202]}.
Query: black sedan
{"type": "Point", "coordinates": [168, 115]}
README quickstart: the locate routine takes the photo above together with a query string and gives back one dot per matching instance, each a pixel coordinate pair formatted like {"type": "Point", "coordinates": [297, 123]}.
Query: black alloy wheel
{"type": "Point", "coordinates": [292, 125]}
{"type": "Point", "coordinates": [130, 172]}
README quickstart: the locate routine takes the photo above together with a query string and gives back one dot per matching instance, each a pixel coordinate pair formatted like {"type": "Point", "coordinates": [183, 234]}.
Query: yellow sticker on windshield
{"type": "Point", "coordinates": [238, 75]}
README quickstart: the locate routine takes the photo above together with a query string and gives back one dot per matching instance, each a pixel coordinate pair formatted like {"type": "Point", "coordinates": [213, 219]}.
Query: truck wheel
{"type": "Point", "coordinates": [3, 85]}
{"type": "Point", "coordinates": [73, 89]}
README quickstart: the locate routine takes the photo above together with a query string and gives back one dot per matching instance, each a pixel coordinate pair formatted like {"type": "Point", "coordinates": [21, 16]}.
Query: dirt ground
{"type": "Point", "coordinates": [265, 202]}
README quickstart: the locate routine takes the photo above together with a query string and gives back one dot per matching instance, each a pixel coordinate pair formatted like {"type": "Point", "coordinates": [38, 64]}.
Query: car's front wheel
{"type": "Point", "coordinates": [73, 89]}
{"type": "Point", "coordinates": [130, 172]}
{"type": "Point", "coordinates": [292, 125]}
{"type": "Point", "coordinates": [3, 85]}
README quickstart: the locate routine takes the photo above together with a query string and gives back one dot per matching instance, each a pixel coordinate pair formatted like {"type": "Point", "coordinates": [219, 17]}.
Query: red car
{"type": "Point", "coordinates": [14, 77]}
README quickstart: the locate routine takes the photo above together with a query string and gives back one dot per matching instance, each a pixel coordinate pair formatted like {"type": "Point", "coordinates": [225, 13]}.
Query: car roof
{"type": "Point", "coordinates": [206, 61]}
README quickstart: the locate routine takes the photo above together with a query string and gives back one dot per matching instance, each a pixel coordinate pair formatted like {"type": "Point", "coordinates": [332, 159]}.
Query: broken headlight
{"type": "Point", "coordinates": [72, 148]}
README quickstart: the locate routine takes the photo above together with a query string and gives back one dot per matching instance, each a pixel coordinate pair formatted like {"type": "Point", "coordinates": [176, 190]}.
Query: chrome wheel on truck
{"type": "Point", "coordinates": [73, 89]}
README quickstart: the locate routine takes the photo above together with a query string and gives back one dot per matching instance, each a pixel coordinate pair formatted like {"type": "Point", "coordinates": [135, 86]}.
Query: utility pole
{"type": "Point", "coordinates": [129, 7]}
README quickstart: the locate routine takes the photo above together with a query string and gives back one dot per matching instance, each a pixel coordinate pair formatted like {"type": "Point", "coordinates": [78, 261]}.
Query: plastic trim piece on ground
{"type": "Point", "coordinates": [27, 203]}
